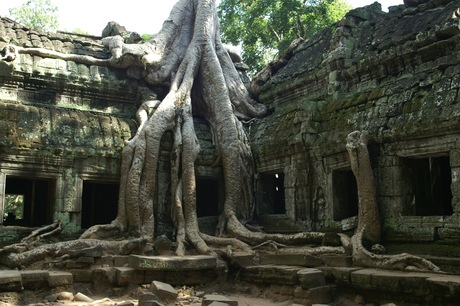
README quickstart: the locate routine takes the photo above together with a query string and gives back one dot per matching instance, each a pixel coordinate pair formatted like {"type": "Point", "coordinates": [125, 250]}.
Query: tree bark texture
{"type": "Point", "coordinates": [368, 215]}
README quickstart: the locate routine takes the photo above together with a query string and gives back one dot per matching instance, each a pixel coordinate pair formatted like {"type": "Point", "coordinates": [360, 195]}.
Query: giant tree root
{"type": "Point", "coordinates": [69, 249]}
{"type": "Point", "coordinates": [368, 215]}
{"type": "Point", "coordinates": [363, 258]}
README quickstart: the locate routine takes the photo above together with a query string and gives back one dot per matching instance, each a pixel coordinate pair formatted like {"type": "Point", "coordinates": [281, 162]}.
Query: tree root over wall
{"type": "Point", "coordinates": [188, 55]}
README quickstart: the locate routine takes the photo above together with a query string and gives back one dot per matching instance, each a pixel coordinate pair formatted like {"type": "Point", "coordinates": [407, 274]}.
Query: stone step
{"type": "Point", "coordinates": [13, 280]}
{"type": "Point", "coordinates": [398, 283]}
{"type": "Point", "coordinates": [241, 259]}
{"type": "Point", "coordinates": [172, 263]}
{"type": "Point", "coordinates": [448, 264]}
{"type": "Point", "coordinates": [307, 278]}
{"type": "Point", "coordinates": [303, 260]}
{"type": "Point", "coordinates": [278, 224]}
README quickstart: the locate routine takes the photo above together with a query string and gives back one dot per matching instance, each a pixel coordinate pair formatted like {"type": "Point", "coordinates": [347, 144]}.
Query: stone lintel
{"type": "Point", "coordinates": [172, 263]}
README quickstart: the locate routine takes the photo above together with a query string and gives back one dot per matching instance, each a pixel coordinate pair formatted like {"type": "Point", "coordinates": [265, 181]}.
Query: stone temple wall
{"type": "Point", "coordinates": [63, 126]}
{"type": "Point", "coordinates": [60, 122]}
{"type": "Point", "coordinates": [395, 75]}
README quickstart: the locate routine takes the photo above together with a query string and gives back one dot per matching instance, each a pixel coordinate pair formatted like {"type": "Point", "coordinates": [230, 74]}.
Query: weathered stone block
{"type": "Point", "coordinates": [320, 295]}
{"type": "Point", "coordinates": [165, 292]}
{"type": "Point", "coordinates": [311, 278]}
{"type": "Point", "coordinates": [337, 260]}
{"type": "Point", "coordinates": [104, 278]}
{"type": "Point", "coordinates": [191, 277]}
{"type": "Point", "coordinates": [215, 303]}
{"type": "Point", "coordinates": [342, 276]}
{"type": "Point", "coordinates": [34, 279]}
{"type": "Point", "coordinates": [445, 285]}
{"type": "Point", "coordinates": [243, 259]}
{"type": "Point", "coordinates": [82, 275]}
{"type": "Point", "coordinates": [147, 299]}
{"type": "Point", "coordinates": [210, 298]}
{"type": "Point", "coordinates": [291, 260]}
{"type": "Point", "coordinates": [121, 261]}
{"type": "Point", "coordinates": [386, 281]}
{"type": "Point", "coordinates": [10, 280]}
{"type": "Point", "coordinates": [126, 276]}
{"type": "Point", "coordinates": [361, 279]}
{"type": "Point", "coordinates": [414, 283]}
{"type": "Point", "coordinates": [271, 274]}
{"type": "Point", "coordinates": [172, 263]}
{"type": "Point", "coordinates": [59, 278]}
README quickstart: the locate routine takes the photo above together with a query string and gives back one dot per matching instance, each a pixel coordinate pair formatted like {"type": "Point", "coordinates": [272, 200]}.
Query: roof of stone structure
{"type": "Point", "coordinates": [15, 33]}
{"type": "Point", "coordinates": [388, 73]}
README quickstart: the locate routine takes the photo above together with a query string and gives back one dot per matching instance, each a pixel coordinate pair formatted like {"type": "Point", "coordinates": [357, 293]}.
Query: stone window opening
{"type": "Point", "coordinates": [99, 202]}
{"type": "Point", "coordinates": [427, 184]}
{"type": "Point", "coordinates": [345, 194]}
{"type": "Point", "coordinates": [28, 201]}
{"type": "Point", "coordinates": [207, 197]}
{"type": "Point", "coordinates": [271, 199]}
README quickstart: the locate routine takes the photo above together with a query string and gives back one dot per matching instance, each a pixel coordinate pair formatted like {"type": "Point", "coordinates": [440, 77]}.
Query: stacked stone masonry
{"type": "Point", "coordinates": [395, 75]}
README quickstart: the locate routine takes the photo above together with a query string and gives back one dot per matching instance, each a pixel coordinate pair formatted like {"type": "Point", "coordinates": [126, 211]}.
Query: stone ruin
{"type": "Point", "coordinates": [395, 75]}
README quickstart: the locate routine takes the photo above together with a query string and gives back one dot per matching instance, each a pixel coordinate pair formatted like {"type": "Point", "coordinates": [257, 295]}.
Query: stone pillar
{"type": "Point", "coordinates": [2, 194]}
{"type": "Point", "coordinates": [455, 185]}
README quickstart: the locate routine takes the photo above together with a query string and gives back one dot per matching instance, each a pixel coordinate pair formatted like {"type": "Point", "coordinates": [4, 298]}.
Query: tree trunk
{"type": "Point", "coordinates": [368, 215]}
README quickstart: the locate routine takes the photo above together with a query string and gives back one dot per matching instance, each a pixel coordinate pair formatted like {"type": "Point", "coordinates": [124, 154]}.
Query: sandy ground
{"type": "Point", "coordinates": [188, 296]}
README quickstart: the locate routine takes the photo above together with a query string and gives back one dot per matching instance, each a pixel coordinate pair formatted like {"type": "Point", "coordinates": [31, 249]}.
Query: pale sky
{"type": "Point", "coordinates": [141, 16]}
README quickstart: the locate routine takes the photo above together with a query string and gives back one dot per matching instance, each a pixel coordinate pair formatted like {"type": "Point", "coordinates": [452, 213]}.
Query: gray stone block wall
{"type": "Point", "coordinates": [394, 75]}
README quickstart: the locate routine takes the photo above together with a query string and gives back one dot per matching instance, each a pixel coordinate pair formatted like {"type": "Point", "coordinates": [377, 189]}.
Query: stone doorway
{"type": "Point", "coordinates": [271, 199]}
{"type": "Point", "coordinates": [99, 202]}
{"type": "Point", "coordinates": [207, 197]}
{"type": "Point", "coordinates": [428, 186]}
{"type": "Point", "coordinates": [28, 201]}
{"type": "Point", "coordinates": [345, 193]}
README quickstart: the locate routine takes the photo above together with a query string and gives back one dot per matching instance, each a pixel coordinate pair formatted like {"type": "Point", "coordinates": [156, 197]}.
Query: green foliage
{"type": "Point", "coordinates": [14, 204]}
{"type": "Point", "coordinates": [267, 27]}
{"type": "Point", "coordinates": [37, 14]}
{"type": "Point", "coordinates": [146, 37]}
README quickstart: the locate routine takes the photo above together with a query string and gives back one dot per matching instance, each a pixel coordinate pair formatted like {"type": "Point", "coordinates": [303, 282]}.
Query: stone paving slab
{"type": "Point", "coordinates": [311, 278]}
{"type": "Point", "coordinates": [172, 263]}
{"type": "Point", "coordinates": [34, 279]}
{"type": "Point", "coordinates": [303, 260]}
{"type": "Point", "coordinates": [286, 275]}
{"type": "Point", "coordinates": [59, 278]}
{"type": "Point", "coordinates": [445, 285]}
{"type": "Point", "coordinates": [126, 276]}
{"type": "Point", "coordinates": [10, 280]}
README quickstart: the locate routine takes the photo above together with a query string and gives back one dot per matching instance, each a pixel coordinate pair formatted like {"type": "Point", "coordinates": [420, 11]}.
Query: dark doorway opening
{"type": "Point", "coordinates": [207, 197]}
{"type": "Point", "coordinates": [345, 193]}
{"type": "Point", "coordinates": [429, 188]}
{"type": "Point", "coordinates": [271, 196]}
{"type": "Point", "coordinates": [29, 201]}
{"type": "Point", "coordinates": [99, 203]}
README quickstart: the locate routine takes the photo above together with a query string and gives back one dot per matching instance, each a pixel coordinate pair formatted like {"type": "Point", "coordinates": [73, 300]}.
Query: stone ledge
{"type": "Point", "coordinates": [286, 275]}
{"type": "Point", "coordinates": [172, 263]}
{"type": "Point", "coordinates": [407, 282]}
{"type": "Point", "coordinates": [304, 260]}
{"type": "Point", "coordinates": [10, 280]}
